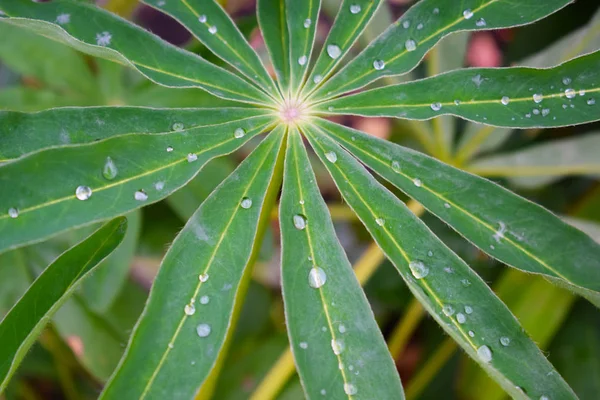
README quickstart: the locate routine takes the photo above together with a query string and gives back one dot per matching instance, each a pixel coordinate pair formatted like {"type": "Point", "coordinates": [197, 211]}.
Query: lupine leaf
{"type": "Point", "coordinates": [28, 317]}
{"type": "Point", "coordinates": [25, 133]}
{"type": "Point", "coordinates": [454, 295]}
{"type": "Point", "coordinates": [329, 320]}
{"type": "Point", "coordinates": [544, 163]}
{"type": "Point", "coordinates": [123, 173]}
{"type": "Point", "coordinates": [351, 20]}
{"type": "Point", "coordinates": [502, 224]}
{"type": "Point", "coordinates": [403, 45]}
{"type": "Point", "coordinates": [207, 20]}
{"type": "Point", "coordinates": [273, 25]}
{"type": "Point", "coordinates": [511, 97]}
{"type": "Point", "coordinates": [92, 30]}
{"type": "Point", "coordinates": [194, 301]}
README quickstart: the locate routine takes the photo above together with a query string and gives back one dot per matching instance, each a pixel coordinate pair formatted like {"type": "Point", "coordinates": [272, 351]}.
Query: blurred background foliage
{"type": "Point", "coordinates": [82, 346]}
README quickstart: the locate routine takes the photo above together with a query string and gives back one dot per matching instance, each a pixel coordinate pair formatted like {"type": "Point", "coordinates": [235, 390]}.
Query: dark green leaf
{"type": "Point", "coordinates": [273, 25]}
{"type": "Point", "coordinates": [302, 19]}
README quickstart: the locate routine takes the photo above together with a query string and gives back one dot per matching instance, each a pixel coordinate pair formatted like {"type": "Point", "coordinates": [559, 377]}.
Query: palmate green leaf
{"type": "Point", "coordinates": [94, 31]}
{"type": "Point", "coordinates": [182, 334]}
{"type": "Point", "coordinates": [207, 21]}
{"type": "Point", "coordinates": [28, 317]}
{"type": "Point", "coordinates": [25, 133]}
{"type": "Point", "coordinates": [502, 224]}
{"type": "Point", "coordinates": [337, 345]}
{"type": "Point", "coordinates": [512, 97]}
{"type": "Point", "coordinates": [351, 20]}
{"type": "Point", "coordinates": [122, 173]}
{"type": "Point", "coordinates": [544, 163]}
{"type": "Point", "coordinates": [454, 295]}
{"type": "Point", "coordinates": [272, 20]}
{"type": "Point", "coordinates": [402, 46]}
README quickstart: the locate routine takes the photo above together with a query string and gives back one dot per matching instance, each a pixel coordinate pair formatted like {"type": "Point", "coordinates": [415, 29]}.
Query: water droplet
{"type": "Point", "coordinates": [307, 23]}
{"type": "Point", "coordinates": [544, 397]}
{"type": "Point", "coordinates": [504, 341]}
{"type": "Point", "coordinates": [212, 30]}
{"type": "Point", "coordinates": [536, 111]}
{"type": "Point", "coordinates": [334, 51]}
{"type": "Point", "coordinates": [299, 221]}
{"type": "Point", "coordinates": [419, 27]}
{"type": "Point", "coordinates": [316, 277]}
{"type": "Point", "coordinates": [318, 78]}
{"type": "Point", "coordinates": [468, 14]}
{"type": "Point", "coordinates": [303, 345]}
{"type": "Point", "coordinates": [192, 157]}
{"type": "Point", "coordinates": [471, 333]}
{"type": "Point", "coordinates": [13, 212]}
{"type": "Point", "coordinates": [380, 221]}
{"type": "Point", "coordinates": [140, 195]}
{"type": "Point", "coordinates": [189, 309]}
{"type": "Point", "coordinates": [582, 92]}
{"type": "Point", "coordinates": [239, 133]}
{"type": "Point", "coordinates": [538, 98]}
{"type": "Point", "coordinates": [417, 182]}
{"type": "Point", "coordinates": [202, 18]}
{"type": "Point", "coordinates": [169, 149]}
{"type": "Point", "coordinates": [355, 8]}
{"type": "Point", "coordinates": [436, 106]}
{"type": "Point", "coordinates": [446, 205]}
{"type": "Point", "coordinates": [465, 282]}
{"type": "Point", "coordinates": [436, 10]}
{"type": "Point", "coordinates": [203, 330]}
{"type": "Point", "coordinates": [396, 166]}
{"type": "Point", "coordinates": [331, 156]}
{"type": "Point", "coordinates": [178, 127]}
{"type": "Point", "coordinates": [337, 345]}
{"type": "Point", "coordinates": [110, 169]}
{"type": "Point", "coordinates": [461, 318]}
{"type": "Point", "coordinates": [203, 277]}
{"type": "Point", "coordinates": [545, 112]}
{"type": "Point", "coordinates": [159, 185]}
{"type": "Point", "coordinates": [484, 353]}
{"type": "Point", "coordinates": [170, 345]}
{"type": "Point", "coordinates": [570, 93]}
{"type": "Point", "coordinates": [342, 328]}
{"type": "Point", "coordinates": [418, 269]}
{"type": "Point", "coordinates": [410, 45]}
{"type": "Point", "coordinates": [591, 101]}
{"type": "Point", "coordinates": [246, 203]}
{"type": "Point", "coordinates": [63, 19]}
{"type": "Point", "coordinates": [350, 389]}
{"type": "Point", "coordinates": [566, 80]}
{"type": "Point", "coordinates": [323, 392]}
{"type": "Point", "coordinates": [301, 202]}
{"type": "Point", "coordinates": [505, 100]}
{"type": "Point", "coordinates": [469, 309]}
{"type": "Point", "coordinates": [481, 22]}
{"type": "Point", "coordinates": [83, 192]}
{"type": "Point", "coordinates": [302, 60]}
{"type": "Point", "coordinates": [448, 310]}
{"type": "Point", "coordinates": [103, 39]}
{"type": "Point", "coordinates": [379, 65]}
{"type": "Point", "coordinates": [204, 299]}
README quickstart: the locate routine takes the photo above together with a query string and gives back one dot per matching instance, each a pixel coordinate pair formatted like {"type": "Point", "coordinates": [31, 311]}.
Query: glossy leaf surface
{"type": "Point", "coordinates": [191, 307]}
{"type": "Point", "coordinates": [28, 317]}
{"type": "Point", "coordinates": [273, 25]}
{"type": "Point", "coordinates": [452, 293]}
{"type": "Point", "coordinates": [302, 19]}
{"type": "Point", "coordinates": [336, 342]}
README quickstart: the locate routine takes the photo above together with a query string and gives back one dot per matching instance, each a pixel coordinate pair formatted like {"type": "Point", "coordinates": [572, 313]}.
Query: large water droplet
{"type": "Point", "coordinates": [204, 299]}
{"type": "Point", "coordinates": [239, 133]}
{"type": "Point", "coordinates": [246, 203]}
{"type": "Point", "coordinates": [538, 98]}
{"type": "Point", "coordinates": [505, 100]}
{"type": "Point", "coordinates": [13, 212]}
{"type": "Point", "coordinates": [192, 157]}
{"type": "Point", "coordinates": [299, 221]}
{"type": "Point", "coordinates": [212, 30]}
{"type": "Point", "coordinates": [468, 14]}
{"type": "Point", "coordinates": [316, 277]}
{"type": "Point", "coordinates": [355, 8]}
{"type": "Point", "coordinates": [436, 106]}
{"type": "Point", "coordinates": [461, 318]}
{"type": "Point", "coordinates": [318, 78]}
{"type": "Point", "coordinates": [350, 389]}
{"type": "Point", "coordinates": [140, 195]}
{"type": "Point", "coordinates": [110, 169]}
{"type": "Point", "coordinates": [469, 309]}
{"type": "Point", "coordinates": [331, 156]}
{"type": "Point", "coordinates": [302, 60]}
{"type": "Point", "coordinates": [307, 23]}
{"type": "Point", "coordinates": [417, 182]}
{"type": "Point", "coordinates": [334, 51]}
{"type": "Point", "coordinates": [178, 127]}
{"type": "Point", "coordinates": [202, 18]}
{"type": "Point", "coordinates": [203, 330]}
{"type": "Point", "coordinates": [379, 65]}
{"type": "Point", "coordinates": [337, 345]}
{"type": "Point", "coordinates": [570, 93]}
{"type": "Point", "coordinates": [418, 269]}
{"type": "Point", "coordinates": [410, 45]}
{"type": "Point", "coordinates": [484, 353]}
{"type": "Point", "coordinates": [203, 277]}
{"type": "Point", "coordinates": [83, 192]}
{"type": "Point", "coordinates": [471, 333]}
{"type": "Point", "coordinates": [481, 22]}
{"type": "Point", "coordinates": [380, 221]}
{"type": "Point", "coordinates": [189, 309]}
{"type": "Point", "coordinates": [448, 310]}
{"type": "Point", "coordinates": [504, 341]}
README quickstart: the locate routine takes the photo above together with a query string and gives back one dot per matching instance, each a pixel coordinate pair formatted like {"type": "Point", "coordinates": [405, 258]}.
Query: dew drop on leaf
{"type": "Point", "coordinates": [481, 22]}
{"type": "Point", "coordinates": [302, 60]}
{"type": "Point", "coordinates": [410, 45]}
{"type": "Point", "coordinates": [299, 221]}
{"type": "Point", "coordinates": [318, 78]}
{"type": "Point", "coordinates": [436, 106]}
{"type": "Point", "coordinates": [342, 328]}
{"type": "Point", "coordinates": [461, 318]}
{"type": "Point", "coordinates": [417, 182]}
{"type": "Point", "coordinates": [303, 345]}
{"type": "Point", "coordinates": [203, 330]}
{"type": "Point", "coordinates": [505, 100]}
{"type": "Point", "coordinates": [334, 51]}
{"type": "Point", "coordinates": [406, 24]}
{"type": "Point", "coordinates": [160, 185]}
{"type": "Point", "coordinates": [307, 23]}
{"type": "Point", "coordinates": [396, 166]}
{"type": "Point", "coordinates": [178, 127]}
{"type": "Point", "coordinates": [239, 133]}
{"type": "Point", "coordinates": [110, 169]}
{"type": "Point", "coordinates": [140, 195]}
{"type": "Point", "coordinates": [331, 156]}
{"type": "Point", "coordinates": [582, 92]}
{"type": "Point", "coordinates": [570, 93]}
{"type": "Point", "coordinates": [538, 98]}
{"type": "Point", "coordinates": [204, 299]}
{"type": "Point", "coordinates": [350, 389]}
{"type": "Point", "coordinates": [212, 30]}
{"type": "Point", "coordinates": [591, 101]}
{"type": "Point", "coordinates": [484, 353]}
{"type": "Point", "coordinates": [504, 341]}
{"type": "Point", "coordinates": [83, 192]}
{"type": "Point", "coordinates": [471, 333]}
{"type": "Point", "coordinates": [202, 18]}
{"type": "Point", "coordinates": [355, 8]}
{"type": "Point", "coordinates": [380, 221]}
{"type": "Point", "coordinates": [418, 269]}
{"type": "Point", "coordinates": [203, 277]}
{"type": "Point", "coordinates": [192, 157]}
{"type": "Point", "coordinates": [379, 65]}
{"type": "Point", "coordinates": [338, 346]}
{"type": "Point", "coordinates": [468, 14]}
{"type": "Point", "coordinates": [316, 277]}
{"type": "Point", "coordinates": [246, 203]}
{"type": "Point", "coordinates": [169, 149]}
{"type": "Point", "coordinates": [448, 310]}
{"type": "Point", "coordinates": [469, 309]}
{"type": "Point", "coordinates": [13, 212]}
{"type": "Point", "coordinates": [566, 80]}
{"type": "Point", "coordinates": [189, 309]}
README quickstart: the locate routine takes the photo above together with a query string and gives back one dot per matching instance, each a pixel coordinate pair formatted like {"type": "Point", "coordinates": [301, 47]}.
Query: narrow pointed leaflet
{"type": "Point", "coordinates": [100, 180]}
{"type": "Point", "coordinates": [28, 132]}
{"type": "Point", "coordinates": [350, 22]}
{"type": "Point", "coordinates": [502, 224]}
{"type": "Point", "coordinates": [302, 20]}
{"type": "Point", "coordinates": [336, 342]}
{"type": "Point", "coordinates": [97, 32]}
{"type": "Point", "coordinates": [25, 321]}
{"type": "Point", "coordinates": [402, 46]}
{"type": "Point", "coordinates": [196, 296]}
{"type": "Point", "coordinates": [452, 293]}
{"type": "Point", "coordinates": [568, 94]}
{"type": "Point", "coordinates": [207, 21]}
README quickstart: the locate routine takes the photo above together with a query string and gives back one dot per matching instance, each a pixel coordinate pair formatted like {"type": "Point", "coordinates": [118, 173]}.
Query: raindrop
{"type": "Point", "coordinates": [538, 98]}
{"type": "Point", "coordinates": [302, 60]}
{"type": "Point", "coordinates": [203, 277]}
{"type": "Point", "coordinates": [355, 8]}
{"type": "Point", "coordinates": [140, 195]}
{"type": "Point", "coordinates": [417, 182]}
{"type": "Point", "coordinates": [110, 169]}
{"type": "Point", "coordinates": [481, 22]}
{"type": "Point", "coordinates": [484, 353]}
{"type": "Point", "coordinates": [448, 310]}
{"type": "Point", "coordinates": [334, 51]}
{"type": "Point", "coordinates": [396, 166]}
{"type": "Point", "coordinates": [316, 277]}
{"type": "Point", "coordinates": [446, 205]}
{"type": "Point", "coordinates": [323, 392]}
{"type": "Point", "coordinates": [436, 10]}
{"type": "Point", "coordinates": [303, 345]}
{"type": "Point", "coordinates": [189, 309]}
{"type": "Point", "coordinates": [342, 328]}
{"type": "Point", "coordinates": [169, 149]}
{"type": "Point", "coordinates": [430, 253]}
{"type": "Point", "coordinates": [469, 309]}
{"type": "Point", "coordinates": [63, 19]}
{"type": "Point", "coordinates": [171, 345]}
{"type": "Point", "coordinates": [582, 92]}
{"type": "Point", "coordinates": [566, 80]}
{"type": "Point", "coordinates": [159, 185]}
{"type": "Point", "coordinates": [212, 30]}
{"type": "Point", "coordinates": [570, 93]}
{"type": "Point", "coordinates": [505, 100]}
{"type": "Point", "coordinates": [318, 78]}
{"type": "Point", "coordinates": [239, 133]}
{"type": "Point", "coordinates": [591, 102]}
{"type": "Point", "coordinates": [544, 397]}
{"type": "Point", "coordinates": [379, 65]}
{"type": "Point", "coordinates": [418, 269]}
{"type": "Point", "coordinates": [350, 389]}
{"type": "Point", "coordinates": [13, 212]}
{"type": "Point", "coordinates": [471, 333]}
{"type": "Point", "coordinates": [380, 221]}
{"type": "Point", "coordinates": [337, 345]}
{"type": "Point", "coordinates": [536, 111]}
{"type": "Point", "coordinates": [307, 23]}
{"type": "Point", "coordinates": [299, 221]}
{"type": "Point", "coordinates": [178, 127]}
{"type": "Point", "coordinates": [436, 106]}
{"type": "Point", "coordinates": [202, 18]}
{"type": "Point", "coordinates": [406, 24]}
{"type": "Point", "coordinates": [468, 14]}
{"type": "Point", "coordinates": [331, 156]}
{"type": "Point", "coordinates": [204, 300]}
{"type": "Point", "coordinates": [504, 341]}
{"type": "Point", "coordinates": [465, 282]}
{"type": "Point", "coordinates": [457, 102]}
{"type": "Point", "coordinates": [545, 112]}
{"type": "Point", "coordinates": [246, 203]}
{"type": "Point", "coordinates": [83, 192]}
{"type": "Point", "coordinates": [410, 45]}
{"type": "Point", "coordinates": [203, 330]}
{"type": "Point", "coordinates": [461, 318]}
{"type": "Point", "coordinates": [192, 157]}
{"type": "Point", "coordinates": [419, 27]}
